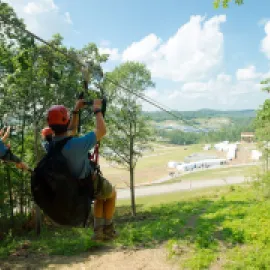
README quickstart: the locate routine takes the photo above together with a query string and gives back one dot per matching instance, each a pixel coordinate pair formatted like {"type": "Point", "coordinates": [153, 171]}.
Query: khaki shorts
{"type": "Point", "coordinates": [102, 187]}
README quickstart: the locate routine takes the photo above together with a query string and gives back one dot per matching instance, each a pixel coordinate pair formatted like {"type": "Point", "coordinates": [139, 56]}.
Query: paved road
{"type": "Point", "coordinates": [179, 186]}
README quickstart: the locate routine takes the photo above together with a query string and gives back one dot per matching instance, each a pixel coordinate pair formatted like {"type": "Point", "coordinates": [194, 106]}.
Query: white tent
{"type": "Point", "coordinates": [207, 147]}
{"type": "Point", "coordinates": [172, 164]}
{"type": "Point", "coordinates": [231, 154]}
{"type": "Point", "coordinates": [223, 146]}
{"type": "Point", "coordinates": [256, 155]}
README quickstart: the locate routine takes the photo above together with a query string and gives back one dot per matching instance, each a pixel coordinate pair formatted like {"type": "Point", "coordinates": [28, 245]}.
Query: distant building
{"type": "Point", "coordinates": [248, 136]}
{"type": "Point", "coordinates": [256, 155]}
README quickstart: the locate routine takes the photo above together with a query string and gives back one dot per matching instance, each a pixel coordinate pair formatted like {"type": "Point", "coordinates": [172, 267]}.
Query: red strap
{"type": "Point", "coordinates": [95, 156]}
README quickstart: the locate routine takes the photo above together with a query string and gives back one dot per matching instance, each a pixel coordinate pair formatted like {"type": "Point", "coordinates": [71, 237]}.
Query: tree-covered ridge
{"type": "Point", "coordinates": [203, 113]}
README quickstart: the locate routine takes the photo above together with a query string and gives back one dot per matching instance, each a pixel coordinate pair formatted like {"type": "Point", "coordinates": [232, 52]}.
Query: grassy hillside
{"type": "Point", "coordinates": [218, 228]}
{"type": "Point", "coordinates": [225, 228]}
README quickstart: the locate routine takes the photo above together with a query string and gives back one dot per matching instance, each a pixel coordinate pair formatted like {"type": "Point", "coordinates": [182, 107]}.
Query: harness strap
{"type": "Point", "coordinates": [57, 146]}
{"type": "Point", "coordinates": [95, 156]}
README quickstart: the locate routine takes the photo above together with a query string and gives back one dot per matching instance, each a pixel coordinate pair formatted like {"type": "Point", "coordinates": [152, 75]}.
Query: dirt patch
{"type": "Point", "coordinates": [192, 220]}
{"type": "Point", "coordinates": [147, 259]}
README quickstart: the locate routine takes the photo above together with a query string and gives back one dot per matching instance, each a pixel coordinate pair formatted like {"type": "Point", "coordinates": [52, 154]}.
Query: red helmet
{"type": "Point", "coordinates": [46, 131]}
{"type": "Point", "coordinates": [58, 115]}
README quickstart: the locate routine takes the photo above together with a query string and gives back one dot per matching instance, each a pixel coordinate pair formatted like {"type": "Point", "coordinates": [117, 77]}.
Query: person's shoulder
{"type": "Point", "coordinates": [88, 137]}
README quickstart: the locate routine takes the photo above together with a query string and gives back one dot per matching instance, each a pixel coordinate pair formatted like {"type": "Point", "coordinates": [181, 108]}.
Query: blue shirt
{"type": "Point", "coordinates": [3, 149]}
{"type": "Point", "coordinates": [76, 152]}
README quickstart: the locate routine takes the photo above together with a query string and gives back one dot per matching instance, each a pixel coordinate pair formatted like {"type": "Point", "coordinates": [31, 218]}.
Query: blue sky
{"type": "Point", "coordinates": [199, 57]}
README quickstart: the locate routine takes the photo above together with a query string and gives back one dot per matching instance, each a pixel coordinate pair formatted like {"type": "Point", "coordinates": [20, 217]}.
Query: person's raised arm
{"type": "Point", "coordinates": [6, 135]}
{"type": "Point", "coordinates": [7, 156]}
{"type": "Point", "coordinates": [73, 126]}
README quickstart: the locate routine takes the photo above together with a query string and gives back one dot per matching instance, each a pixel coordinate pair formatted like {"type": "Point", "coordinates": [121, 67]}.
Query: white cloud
{"type": "Point", "coordinates": [190, 54]}
{"type": "Point", "coordinates": [105, 43]}
{"type": "Point", "coordinates": [194, 87]}
{"type": "Point", "coordinates": [40, 7]}
{"type": "Point", "coordinates": [220, 92]}
{"type": "Point", "coordinates": [224, 77]}
{"type": "Point", "coordinates": [248, 73]}
{"type": "Point", "coordinates": [263, 21]}
{"type": "Point", "coordinates": [265, 44]}
{"type": "Point", "coordinates": [68, 18]}
{"type": "Point", "coordinates": [143, 50]}
{"type": "Point", "coordinates": [42, 16]}
{"type": "Point", "coordinates": [114, 53]}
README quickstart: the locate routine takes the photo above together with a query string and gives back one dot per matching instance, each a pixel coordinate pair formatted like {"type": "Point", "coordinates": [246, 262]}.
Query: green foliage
{"type": "Point", "coordinates": [33, 77]}
{"type": "Point", "coordinates": [262, 122]}
{"type": "Point", "coordinates": [225, 3]}
{"type": "Point", "coordinates": [263, 184]}
{"type": "Point", "coordinates": [266, 86]}
{"type": "Point", "coordinates": [129, 129]}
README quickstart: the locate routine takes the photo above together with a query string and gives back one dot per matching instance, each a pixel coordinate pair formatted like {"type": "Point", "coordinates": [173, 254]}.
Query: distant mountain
{"type": "Point", "coordinates": [202, 113]}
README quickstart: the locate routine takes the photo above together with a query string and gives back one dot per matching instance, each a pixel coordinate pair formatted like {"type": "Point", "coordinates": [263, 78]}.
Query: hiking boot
{"type": "Point", "coordinates": [109, 232]}
{"type": "Point", "coordinates": [98, 234]}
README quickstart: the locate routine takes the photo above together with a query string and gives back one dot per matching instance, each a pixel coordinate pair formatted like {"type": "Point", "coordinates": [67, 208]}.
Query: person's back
{"type": "Point", "coordinates": [76, 152]}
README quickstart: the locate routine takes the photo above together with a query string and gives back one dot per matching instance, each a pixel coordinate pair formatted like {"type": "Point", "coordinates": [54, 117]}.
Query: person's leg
{"type": "Point", "coordinates": [109, 208]}
{"type": "Point", "coordinates": [99, 221]}
{"type": "Point", "coordinates": [104, 207]}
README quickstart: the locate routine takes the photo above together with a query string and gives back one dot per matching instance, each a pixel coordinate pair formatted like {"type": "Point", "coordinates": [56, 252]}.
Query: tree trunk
{"type": "Point", "coordinates": [10, 197]}
{"type": "Point", "coordinates": [22, 186]}
{"type": "Point", "coordinates": [132, 192]}
{"type": "Point", "coordinates": [131, 173]}
{"type": "Point", "coordinates": [37, 210]}
{"type": "Point", "coordinates": [36, 134]}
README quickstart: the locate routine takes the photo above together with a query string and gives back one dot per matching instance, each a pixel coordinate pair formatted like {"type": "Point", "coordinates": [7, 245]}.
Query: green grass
{"type": "Point", "coordinates": [53, 241]}
{"type": "Point", "coordinates": [216, 227]}
{"type": "Point", "coordinates": [226, 228]}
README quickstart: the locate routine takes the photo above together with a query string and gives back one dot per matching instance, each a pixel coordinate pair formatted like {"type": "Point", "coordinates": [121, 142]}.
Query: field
{"type": "Point", "coordinates": [153, 165]}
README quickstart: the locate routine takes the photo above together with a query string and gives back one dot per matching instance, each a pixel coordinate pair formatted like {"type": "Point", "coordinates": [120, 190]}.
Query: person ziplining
{"type": "Point", "coordinates": [75, 152]}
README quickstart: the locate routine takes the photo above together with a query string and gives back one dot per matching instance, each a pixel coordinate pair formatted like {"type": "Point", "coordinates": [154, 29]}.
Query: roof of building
{"type": "Point", "coordinates": [250, 134]}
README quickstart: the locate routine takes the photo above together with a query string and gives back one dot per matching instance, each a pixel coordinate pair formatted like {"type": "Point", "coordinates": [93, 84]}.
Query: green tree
{"type": "Point", "coordinates": [225, 3]}
{"type": "Point", "coordinates": [129, 131]}
{"type": "Point", "coordinates": [33, 77]}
